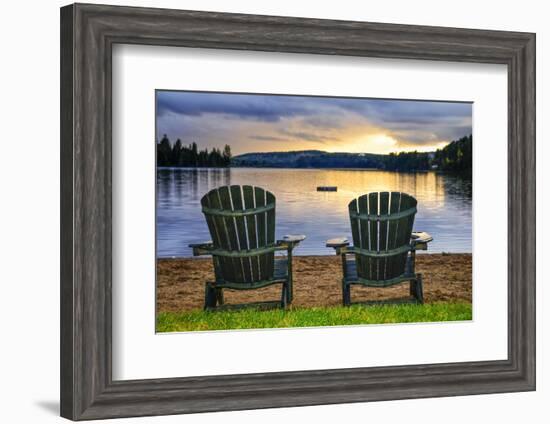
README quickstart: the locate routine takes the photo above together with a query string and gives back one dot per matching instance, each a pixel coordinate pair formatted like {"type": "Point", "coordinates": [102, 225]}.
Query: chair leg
{"type": "Point", "coordinates": [290, 288]}
{"type": "Point", "coordinates": [219, 296]}
{"type": "Point", "coordinates": [346, 294]}
{"type": "Point", "coordinates": [417, 289]}
{"type": "Point", "coordinates": [420, 289]}
{"type": "Point", "coordinates": [285, 301]}
{"type": "Point", "coordinates": [289, 293]}
{"type": "Point", "coordinates": [209, 297]}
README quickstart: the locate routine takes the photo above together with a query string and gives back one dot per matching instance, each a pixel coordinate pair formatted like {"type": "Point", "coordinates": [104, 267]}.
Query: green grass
{"type": "Point", "coordinates": [312, 317]}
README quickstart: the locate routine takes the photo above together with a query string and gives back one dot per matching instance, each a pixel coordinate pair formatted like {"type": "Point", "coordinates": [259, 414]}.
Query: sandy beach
{"type": "Point", "coordinates": [317, 282]}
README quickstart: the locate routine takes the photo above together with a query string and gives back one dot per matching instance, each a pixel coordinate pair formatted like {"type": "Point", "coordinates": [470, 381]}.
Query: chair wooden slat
{"type": "Point", "coordinates": [393, 268]}
{"type": "Point", "coordinates": [219, 233]}
{"type": "Point", "coordinates": [363, 240]}
{"type": "Point", "coordinates": [407, 202]}
{"type": "Point", "coordinates": [270, 232]}
{"type": "Point", "coordinates": [259, 195]}
{"type": "Point", "coordinates": [205, 202]}
{"type": "Point", "coordinates": [248, 194]}
{"type": "Point", "coordinates": [356, 229]}
{"type": "Point", "coordinates": [232, 236]}
{"type": "Point", "coordinates": [373, 235]}
{"type": "Point", "coordinates": [383, 207]}
{"type": "Point", "coordinates": [238, 204]}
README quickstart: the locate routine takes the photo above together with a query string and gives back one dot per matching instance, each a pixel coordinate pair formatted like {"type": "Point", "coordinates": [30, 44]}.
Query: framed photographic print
{"type": "Point", "coordinates": [269, 211]}
{"type": "Point", "coordinates": [278, 161]}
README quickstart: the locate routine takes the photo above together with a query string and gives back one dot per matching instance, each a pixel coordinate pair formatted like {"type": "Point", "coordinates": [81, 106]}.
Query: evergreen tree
{"type": "Point", "coordinates": [164, 150]}
{"type": "Point", "coordinates": [176, 153]}
{"type": "Point", "coordinates": [194, 155]}
{"type": "Point", "coordinates": [227, 155]}
{"type": "Point", "coordinates": [190, 156]}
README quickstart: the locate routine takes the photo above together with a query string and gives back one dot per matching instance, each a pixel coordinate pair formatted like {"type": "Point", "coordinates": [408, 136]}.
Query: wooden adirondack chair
{"type": "Point", "coordinates": [241, 221]}
{"type": "Point", "coordinates": [384, 245]}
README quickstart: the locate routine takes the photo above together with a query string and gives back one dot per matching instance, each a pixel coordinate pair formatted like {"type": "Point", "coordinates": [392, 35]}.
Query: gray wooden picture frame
{"type": "Point", "coordinates": [88, 33]}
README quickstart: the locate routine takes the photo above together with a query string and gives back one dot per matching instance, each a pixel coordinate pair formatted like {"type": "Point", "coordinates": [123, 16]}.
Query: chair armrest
{"type": "Point", "coordinates": [204, 248]}
{"type": "Point", "coordinates": [290, 241]}
{"type": "Point", "coordinates": [339, 244]}
{"type": "Point", "coordinates": [420, 240]}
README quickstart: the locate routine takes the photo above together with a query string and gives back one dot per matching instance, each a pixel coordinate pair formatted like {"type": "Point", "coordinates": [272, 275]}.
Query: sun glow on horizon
{"type": "Point", "coordinates": [382, 143]}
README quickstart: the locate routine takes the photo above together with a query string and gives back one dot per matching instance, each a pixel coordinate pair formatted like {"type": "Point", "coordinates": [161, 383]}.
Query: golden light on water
{"type": "Point", "coordinates": [444, 203]}
{"type": "Point", "coordinates": [427, 187]}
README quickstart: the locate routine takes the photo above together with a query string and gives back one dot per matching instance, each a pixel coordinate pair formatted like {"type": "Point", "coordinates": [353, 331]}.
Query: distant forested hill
{"type": "Point", "coordinates": [309, 159]}
{"type": "Point", "coordinates": [455, 157]}
{"type": "Point", "coordinates": [404, 161]}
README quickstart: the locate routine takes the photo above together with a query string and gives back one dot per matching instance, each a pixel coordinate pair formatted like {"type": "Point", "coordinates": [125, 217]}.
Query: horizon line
{"type": "Point", "coordinates": [324, 151]}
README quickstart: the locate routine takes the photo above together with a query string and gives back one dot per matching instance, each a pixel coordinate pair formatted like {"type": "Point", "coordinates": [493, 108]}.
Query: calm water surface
{"type": "Point", "coordinates": [444, 204]}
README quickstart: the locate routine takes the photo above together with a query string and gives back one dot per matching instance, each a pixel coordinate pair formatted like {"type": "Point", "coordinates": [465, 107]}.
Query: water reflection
{"type": "Point", "coordinates": [444, 204]}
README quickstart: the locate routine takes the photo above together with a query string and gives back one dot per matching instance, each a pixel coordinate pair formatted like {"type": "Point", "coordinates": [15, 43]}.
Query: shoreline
{"type": "Point", "coordinates": [318, 255]}
{"type": "Point", "coordinates": [422, 171]}
{"type": "Point", "coordinates": [317, 282]}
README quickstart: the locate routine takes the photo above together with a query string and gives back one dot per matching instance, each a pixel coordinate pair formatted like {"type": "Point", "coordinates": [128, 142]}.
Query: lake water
{"type": "Point", "coordinates": [444, 204]}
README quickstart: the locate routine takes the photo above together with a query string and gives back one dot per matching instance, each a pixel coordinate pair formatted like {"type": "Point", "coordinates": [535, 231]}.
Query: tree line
{"type": "Point", "coordinates": [454, 157]}
{"type": "Point", "coordinates": [179, 155]}
{"type": "Point", "coordinates": [408, 161]}
{"type": "Point", "coordinates": [340, 160]}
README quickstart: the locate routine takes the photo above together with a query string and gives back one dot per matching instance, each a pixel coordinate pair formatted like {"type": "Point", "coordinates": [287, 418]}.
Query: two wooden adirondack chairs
{"type": "Point", "coordinates": [241, 221]}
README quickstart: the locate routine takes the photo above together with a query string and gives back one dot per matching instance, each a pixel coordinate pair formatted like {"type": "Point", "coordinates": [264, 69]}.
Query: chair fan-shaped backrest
{"type": "Point", "coordinates": [381, 225]}
{"type": "Point", "coordinates": [241, 218]}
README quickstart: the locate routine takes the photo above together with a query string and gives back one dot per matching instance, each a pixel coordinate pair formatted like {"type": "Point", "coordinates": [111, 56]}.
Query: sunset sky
{"type": "Point", "coordinates": [268, 123]}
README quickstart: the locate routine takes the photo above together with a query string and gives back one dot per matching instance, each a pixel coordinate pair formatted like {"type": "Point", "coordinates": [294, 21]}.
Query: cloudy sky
{"type": "Point", "coordinates": [268, 123]}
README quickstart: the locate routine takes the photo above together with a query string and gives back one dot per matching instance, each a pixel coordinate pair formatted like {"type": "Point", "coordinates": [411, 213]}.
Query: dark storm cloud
{"type": "Point", "coordinates": [408, 111]}
{"type": "Point", "coordinates": [273, 108]}
{"type": "Point", "coordinates": [256, 107]}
